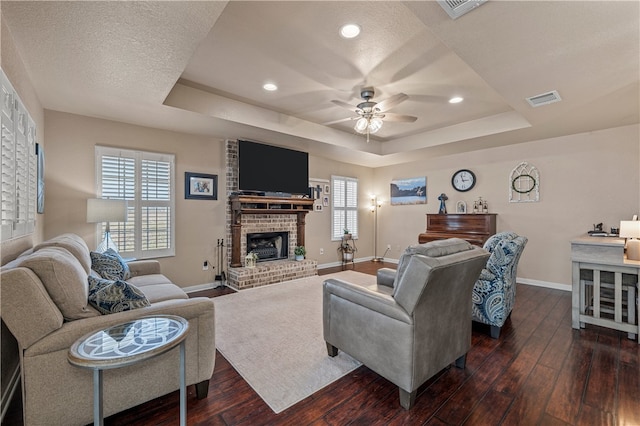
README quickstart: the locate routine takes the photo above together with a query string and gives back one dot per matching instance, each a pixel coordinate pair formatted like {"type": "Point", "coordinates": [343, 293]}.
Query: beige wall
{"type": "Point", "coordinates": [318, 228]}
{"type": "Point", "coordinates": [13, 67]}
{"type": "Point", "coordinates": [71, 141]}
{"type": "Point", "coordinates": [584, 179]}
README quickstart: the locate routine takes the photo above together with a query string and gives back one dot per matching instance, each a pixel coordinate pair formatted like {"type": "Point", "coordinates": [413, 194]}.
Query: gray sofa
{"type": "Point", "coordinates": [413, 323]}
{"type": "Point", "coordinates": [44, 305]}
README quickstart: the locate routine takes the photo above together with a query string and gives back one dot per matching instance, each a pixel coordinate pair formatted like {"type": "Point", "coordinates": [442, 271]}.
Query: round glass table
{"type": "Point", "coordinates": [129, 343]}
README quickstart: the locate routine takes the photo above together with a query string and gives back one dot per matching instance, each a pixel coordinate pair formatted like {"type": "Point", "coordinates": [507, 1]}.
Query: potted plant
{"type": "Point", "coordinates": [347, 251]}
{"type": "Point", "coordinates": [347, 234]}
{"type": "Point", "coordinates": [300, 252]}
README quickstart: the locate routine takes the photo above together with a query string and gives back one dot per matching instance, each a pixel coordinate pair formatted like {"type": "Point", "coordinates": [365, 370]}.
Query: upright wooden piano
{"type": "Point", "coordinates": [475, 228]}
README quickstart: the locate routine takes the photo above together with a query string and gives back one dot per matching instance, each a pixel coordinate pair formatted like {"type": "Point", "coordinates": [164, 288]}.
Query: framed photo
{"type": "Point", "coordinates": [327, 189]}
{"type": "Point", "coordinates": [319, 207]}
{"type": "Point", "coordinates": [461, 207]}
{"type": "Point", "coordinates": [200, 186]}
{"type": "Point", "coordinates": [409, 191]}
{"type": "Point", "coordinates": [325, 201]}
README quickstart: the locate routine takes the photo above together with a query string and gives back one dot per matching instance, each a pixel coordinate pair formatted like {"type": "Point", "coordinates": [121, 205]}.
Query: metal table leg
{"type": "Point", "coordinates": [97, 398]}
{"type": "Point", "coordinates": [183, 387]}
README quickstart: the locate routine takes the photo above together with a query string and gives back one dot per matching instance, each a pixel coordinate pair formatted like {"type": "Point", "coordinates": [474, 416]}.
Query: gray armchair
{"type": "Point", "coordinates": [413, 323]}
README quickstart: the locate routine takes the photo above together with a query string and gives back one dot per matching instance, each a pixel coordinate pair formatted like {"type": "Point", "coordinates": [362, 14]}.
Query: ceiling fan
{"type": "Point", "coordinates": [370, 114]}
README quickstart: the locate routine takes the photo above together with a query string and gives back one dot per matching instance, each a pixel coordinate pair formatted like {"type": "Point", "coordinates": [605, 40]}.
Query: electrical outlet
{"type": "Point", "coordinates": [321, 251]}
{"type": "Point", "coordinates": [205, 265]}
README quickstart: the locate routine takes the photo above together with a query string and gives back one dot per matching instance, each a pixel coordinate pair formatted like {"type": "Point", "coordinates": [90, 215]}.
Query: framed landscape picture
{"type": "Point", "coordinates": [199, 186]}
{"type": "Point", "coordinates": [409, 191]}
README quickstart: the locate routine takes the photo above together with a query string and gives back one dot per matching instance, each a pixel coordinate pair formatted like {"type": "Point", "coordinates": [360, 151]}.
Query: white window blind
{"type": "Point", "coordinates": [19, 165]}
{"type": "Point", "coordinates": [146, 181]}
{"type": "Point", "coordinates": [344, 209]}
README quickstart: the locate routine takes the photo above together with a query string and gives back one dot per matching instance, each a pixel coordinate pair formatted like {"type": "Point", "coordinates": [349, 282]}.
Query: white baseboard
{"type": "Point", "coordinates": [546, 284]}
{"type": "Point", "coordinates": [14, 381]}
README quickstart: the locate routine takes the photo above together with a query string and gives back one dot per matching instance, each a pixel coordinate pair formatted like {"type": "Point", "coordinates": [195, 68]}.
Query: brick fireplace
{"type": "Point", "coordinates": [265, 216]}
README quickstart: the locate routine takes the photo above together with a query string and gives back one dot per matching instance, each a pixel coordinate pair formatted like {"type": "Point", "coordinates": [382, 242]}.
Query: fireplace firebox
{"type": "Point", "coordinates": [268, 245]}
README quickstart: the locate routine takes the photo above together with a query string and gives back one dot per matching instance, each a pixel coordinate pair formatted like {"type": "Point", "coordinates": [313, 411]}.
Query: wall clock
{"type": "Point", "coordinates": [463, 180]}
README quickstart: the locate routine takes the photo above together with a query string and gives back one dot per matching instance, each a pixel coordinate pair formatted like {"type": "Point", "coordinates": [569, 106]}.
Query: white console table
{"type": "Point", "coordinates": [604, 285]}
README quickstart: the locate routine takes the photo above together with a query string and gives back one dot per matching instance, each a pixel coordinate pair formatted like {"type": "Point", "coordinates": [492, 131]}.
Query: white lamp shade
{"type": "Point", "coordinates": [105, 210]}
{"type": "Point", "coordinates": [361, 125]}
{"type": "Point", "coordinates": [375, 125]}
{"type": "Point", "coordinates": [630, 229]}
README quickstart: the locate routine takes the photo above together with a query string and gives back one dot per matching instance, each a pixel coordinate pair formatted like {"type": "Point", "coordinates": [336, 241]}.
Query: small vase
{"type": "Point", "coordinates": [299, 257]}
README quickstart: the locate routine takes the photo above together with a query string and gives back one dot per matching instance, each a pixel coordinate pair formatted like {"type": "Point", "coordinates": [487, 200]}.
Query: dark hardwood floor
{"type": "Point", "coordinates": [539, 372]}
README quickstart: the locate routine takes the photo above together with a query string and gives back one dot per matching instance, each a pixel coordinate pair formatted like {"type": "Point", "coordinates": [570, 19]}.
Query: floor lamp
{"type": "Point", "coordinates": [375, 205]}
{"type": "Point", "coordinates": [101, 210]}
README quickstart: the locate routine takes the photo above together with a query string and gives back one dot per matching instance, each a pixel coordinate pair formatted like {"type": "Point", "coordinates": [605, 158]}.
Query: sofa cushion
{"type": "Point", "coordinates": [110, 265]}
{"type": "Point", "coordinates": [74, 244]}
{"type": "Point", "coordinates": [64, 279]}
{"type": "Point", "coordinates": [112, 296]}
{"type": "Point", "coordinates": [161, 292]}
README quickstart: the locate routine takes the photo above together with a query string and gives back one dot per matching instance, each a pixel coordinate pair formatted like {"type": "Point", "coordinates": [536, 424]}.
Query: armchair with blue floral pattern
{"type": "Point", "coordinates": [494, 293]}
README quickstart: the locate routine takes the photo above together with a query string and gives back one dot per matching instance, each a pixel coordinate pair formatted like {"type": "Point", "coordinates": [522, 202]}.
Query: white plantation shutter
{"type": "Point", "coordinates": [8, 162]}
{"type": "Point", "coordinates": [19, 165]}
{"type": "Point", "coordinates": [146, 181]}
{"type": "Point", "coordinates": [344, 209]}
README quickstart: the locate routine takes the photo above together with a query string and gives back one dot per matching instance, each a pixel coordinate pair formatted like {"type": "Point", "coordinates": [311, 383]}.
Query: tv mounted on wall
{"type": "Point", "coordinates": [272, 170]}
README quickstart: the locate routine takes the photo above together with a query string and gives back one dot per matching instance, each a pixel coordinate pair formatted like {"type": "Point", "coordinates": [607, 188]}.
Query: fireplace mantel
{"type": "Point", "coordinates": [244, 205]}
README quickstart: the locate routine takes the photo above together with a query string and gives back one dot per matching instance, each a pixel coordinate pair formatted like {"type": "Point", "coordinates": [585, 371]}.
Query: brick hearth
{"type": "Point", "coordinates": [271, 272]}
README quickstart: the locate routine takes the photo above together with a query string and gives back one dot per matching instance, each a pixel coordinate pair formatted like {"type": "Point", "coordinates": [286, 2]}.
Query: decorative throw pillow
{"type": "Point", "coordinates": [111, 296]}
{"type": "Point", "coordinates": [110, 265]}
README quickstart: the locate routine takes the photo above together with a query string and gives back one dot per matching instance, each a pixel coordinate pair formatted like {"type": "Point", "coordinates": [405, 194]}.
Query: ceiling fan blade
{"type": "Point", "coordinates": [342, 120]}
{"type": "Point", "coordinates": [344, 105]}
{"type": "Point", "coordinates": [391, 102]}
{"type": "Point", "coordinates": [389, 116]}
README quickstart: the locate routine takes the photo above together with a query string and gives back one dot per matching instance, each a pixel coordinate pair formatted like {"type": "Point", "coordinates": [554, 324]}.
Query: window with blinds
{"type": "Point", "coordinates": [146, 181]}
{"type": "Point", "coordinates": [344, 209]}
{"type": "Point", "coordinates": [19, 165]}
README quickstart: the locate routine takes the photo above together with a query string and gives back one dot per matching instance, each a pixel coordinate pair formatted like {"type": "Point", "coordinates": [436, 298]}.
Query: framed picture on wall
{"type": "Point", "coordinates": [200, 186]}
{"type": "Point", "coordinates": [409, 191]}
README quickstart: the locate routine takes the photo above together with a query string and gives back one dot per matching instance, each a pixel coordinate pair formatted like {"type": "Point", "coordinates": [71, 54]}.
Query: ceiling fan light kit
{"type": "Point", "coordinates": [371, 114]}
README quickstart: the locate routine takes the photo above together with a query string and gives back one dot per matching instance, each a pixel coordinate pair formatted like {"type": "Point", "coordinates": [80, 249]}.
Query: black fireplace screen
{"type": "Point", "coordinates": [268, 245]}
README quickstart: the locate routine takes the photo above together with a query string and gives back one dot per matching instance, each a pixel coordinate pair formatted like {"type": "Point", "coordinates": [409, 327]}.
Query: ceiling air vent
{"type": "Point", "coordinates": [544, 99]}
{"type": "Point", "coordinates": [457, 8]}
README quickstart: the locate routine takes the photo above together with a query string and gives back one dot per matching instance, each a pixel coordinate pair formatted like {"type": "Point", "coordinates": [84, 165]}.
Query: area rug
{"type": "Point", "coordinates": [272, 336]}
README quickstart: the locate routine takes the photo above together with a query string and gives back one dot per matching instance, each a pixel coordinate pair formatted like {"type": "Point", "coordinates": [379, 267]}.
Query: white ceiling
{"type": "Point", "coordinates": [199, 67]}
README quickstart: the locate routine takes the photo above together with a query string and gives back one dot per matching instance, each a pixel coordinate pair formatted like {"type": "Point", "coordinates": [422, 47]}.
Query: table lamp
{"type": "Point", "coordinates": [630, 229]}
{"type": "Point", "coordinates": [105, 210]}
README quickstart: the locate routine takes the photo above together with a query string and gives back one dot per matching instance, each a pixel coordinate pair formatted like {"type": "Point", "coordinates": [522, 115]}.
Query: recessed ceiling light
{"type": "Point", "coordinates": [270, 87]}
{"type": "Point", "coordinates": [350, 30]}
{"type": "Point", "coordinates": [456, 100]}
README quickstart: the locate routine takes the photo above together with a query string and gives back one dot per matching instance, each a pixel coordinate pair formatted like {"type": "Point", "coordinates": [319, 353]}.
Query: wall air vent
{"type": "Point", "coordinates": [544, 99]}
{"type": "Point", "coordinates": [457, 8]}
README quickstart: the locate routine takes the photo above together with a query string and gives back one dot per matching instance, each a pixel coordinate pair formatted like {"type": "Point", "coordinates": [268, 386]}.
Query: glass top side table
{"type": "Point", "coordinates": [126, 344]}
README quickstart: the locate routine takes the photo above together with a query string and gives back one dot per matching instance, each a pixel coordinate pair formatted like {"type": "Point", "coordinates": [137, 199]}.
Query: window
{"type": "Point", "coordinates": [344, 209]}
{"type": "Point", "coordinates": [19, 165]}
{"type": "Point", "coordinates": [146, 181]}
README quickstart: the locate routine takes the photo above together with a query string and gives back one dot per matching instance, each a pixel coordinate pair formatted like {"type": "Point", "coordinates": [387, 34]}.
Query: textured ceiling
{"type": "Point", "coordinates": [199, 67]}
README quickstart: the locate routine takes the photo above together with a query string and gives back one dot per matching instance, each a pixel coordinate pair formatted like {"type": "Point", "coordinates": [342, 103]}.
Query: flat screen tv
{"type": "Point", "coordinates": [272, 169]}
